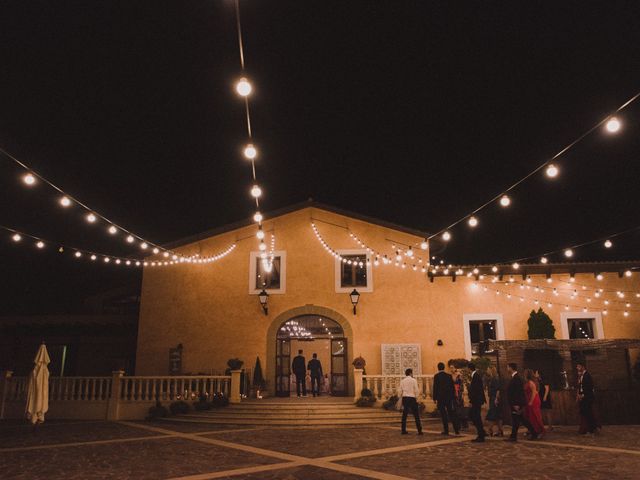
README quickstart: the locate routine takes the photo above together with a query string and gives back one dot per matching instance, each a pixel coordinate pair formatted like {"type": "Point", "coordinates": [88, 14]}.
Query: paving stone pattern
{"type": "Point", "coordinates": [563, 454]}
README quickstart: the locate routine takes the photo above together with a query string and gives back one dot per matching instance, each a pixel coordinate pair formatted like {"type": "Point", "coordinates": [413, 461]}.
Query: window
{"type": "Point", "coordinates": [268, 273]}
{"type": "Point", "coordinates": [481, 331]}
{"type": "Point", "coordinates": [581, 325]}
{"type": "Point", "coordinates": [353, 272]}
{"type": "Point", "coordinates": [480, 327]}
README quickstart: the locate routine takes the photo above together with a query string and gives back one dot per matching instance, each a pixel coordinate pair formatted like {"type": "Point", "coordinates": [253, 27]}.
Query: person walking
{"type": "Point", "coordinates": [299, 367]}
{"type": "Point", "coordinates": [315, 369]}
{"type": "Point", "coordinates": [444, 396]}
{"type": "Point", "coordinates": [532, 410]}
{"type": "Point", "coordinates": [517, 402]}
{"type": "Point", "coordinates": [545, 401]}
{"type": "Point", "coordinates": [409, 393]}
{"type": "Point", "coordinates": [458, 403]}
{"type": "Point", "coordinates": [477, 399]}
{"type": "Point", "coordinates": [494, 415]}
{"type": "Point", "coordinates": [585, 399]}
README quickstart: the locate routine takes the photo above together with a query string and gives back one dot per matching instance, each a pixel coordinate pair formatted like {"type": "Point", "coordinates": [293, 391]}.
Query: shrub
{"type": "Point", "coordinates": [365, 402]}
{"type": "Point", "coordinates": [390, 403]}
{"type": "Point", "coordinates": [201, 406]}
{"type": "Point", "coordinates": [235, 364]}
{"type": "Point", "coordinates": [258, 379]}
{"type": "Point", "coordinates": [540, 325]}
{"type": "Point", "coordinates": [158, 411]}
{"type": "Point", "coordinates": [365, 392]}
{"type": "Point", "coordinates": [179, 408]}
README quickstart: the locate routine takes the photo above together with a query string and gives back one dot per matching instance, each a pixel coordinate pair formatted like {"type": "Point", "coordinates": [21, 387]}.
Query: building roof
{"type": "Point", "coordinates": [290, 209]}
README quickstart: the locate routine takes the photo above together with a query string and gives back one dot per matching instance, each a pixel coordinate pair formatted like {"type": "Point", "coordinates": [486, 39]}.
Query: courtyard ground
{"type": "Point", "coordinates": [163, 450]}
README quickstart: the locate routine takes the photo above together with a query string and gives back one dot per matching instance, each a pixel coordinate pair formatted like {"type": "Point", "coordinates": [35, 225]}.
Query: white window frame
{"type": "Point", "coordinates": [598, 328]}
{"type": "Point", "coordinates": [253, 258]}
{"type": "Point", "coordinates": [467, 318]}
{"type": "Point", "coordinates": [338, 272]}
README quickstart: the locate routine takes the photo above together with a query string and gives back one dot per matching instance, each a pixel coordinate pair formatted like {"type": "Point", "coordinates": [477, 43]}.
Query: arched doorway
{"type": "Point", "coordinates": [313, 330]}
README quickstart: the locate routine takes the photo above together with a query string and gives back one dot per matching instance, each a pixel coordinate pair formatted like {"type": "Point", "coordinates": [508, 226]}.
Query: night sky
{"type": "Point", "coordinates": [414, 112]}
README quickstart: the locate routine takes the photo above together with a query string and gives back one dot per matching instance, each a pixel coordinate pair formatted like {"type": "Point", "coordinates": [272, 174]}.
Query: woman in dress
{"type": "Point", "coordinates": [494, 415]}
{"type": "Point", "coordinates": [545, 401]}
{"type": "Point", "coordinates": [532, 409]}
{"type": "Point", "coordinates": [458, 385]}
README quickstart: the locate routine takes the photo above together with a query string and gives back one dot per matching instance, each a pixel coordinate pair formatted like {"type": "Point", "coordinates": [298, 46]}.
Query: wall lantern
{"type": "Point", "coordinates": [355, 296]}
{"type": "Point", "coordinates": [263, 296]}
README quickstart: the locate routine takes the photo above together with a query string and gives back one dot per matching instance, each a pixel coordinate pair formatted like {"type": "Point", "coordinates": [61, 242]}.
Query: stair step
{"type": "Point", "coordinates": [290, 417]}
{"type": "Point", "coordinates": [243, 421]}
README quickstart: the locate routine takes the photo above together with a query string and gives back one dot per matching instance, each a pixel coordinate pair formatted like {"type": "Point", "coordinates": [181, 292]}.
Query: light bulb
{"type": "Point", "coordinates": [494, 269]}
{"type": "Point", "coordinates": [144, 245]}
{"type": "Point", "coordinates": [40, 244]}
{"type": "Point", "coordinates": [424, 245]}
{"type": "Point", "coordinates": [260, 234]}
{"type": "Point", "coordinates": [93, 257]}
{"type": "Point", "coordinates": [117, 261]}
{"type": "Point", "coordinates": [505, 201]}
{"type": "Point", "coordinates": [599, 276]}
{"type": "Point", "coordinates": [628, 273]}
{"type": "Point", "coordinates": [257, 217]}
{"type": "Point", "coordinates": [476, 271]}
{"type": "Point", "coordinates": [543, 260]}
{"type": "Point", "coordinates": [473, 222]}
{"type": "Point", "coordinates": [78, 254]}
{"type": "Point", "coordinates": [65, 201]}
{"type": "Point", "coordinates": [29, 179]}
{"type": "Point", "coordinates": [16, 237]}
{"type": "Point", "coordinates": [91, 218]}
{"type": "Point", "coordinates": [446, 236]}
{"type": "Point", "coordinates": [243, 87]}
{"type": "Point", "coordinates": [516, 265]}
{"type": "Point", "coordinates": [551, 171]}
{"type": "Point", "coordinates": [113, 230]}
{"type": "Point", "coordinates": [256, 191]}
{"type": "Point", "coordinates": [568, 253]}
{"type": "Point", "coordinates": [107, 259]}
{"type": "Point", "coordinates": [409, 252]}
{"type": "Point", "coordinates": [130, 239]}
{"type": "Point", "coordinates": [626, 314]}
{"type": "Point", "coordinates": [156, 250]}
{"type": "Point", "coordinates": [250, 152]}
{"type": "Point", "coordinates": [262, 246]}
{"type": "Point", "coordinates": [613, 125]}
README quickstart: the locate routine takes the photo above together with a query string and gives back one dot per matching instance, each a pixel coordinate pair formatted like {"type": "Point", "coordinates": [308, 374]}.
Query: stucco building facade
{"type": "Point", "coordinates": [213, 309]}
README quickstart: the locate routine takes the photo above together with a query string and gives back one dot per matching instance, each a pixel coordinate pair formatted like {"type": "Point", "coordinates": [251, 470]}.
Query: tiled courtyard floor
{"type": "Point", "coordinates": [144, 450]}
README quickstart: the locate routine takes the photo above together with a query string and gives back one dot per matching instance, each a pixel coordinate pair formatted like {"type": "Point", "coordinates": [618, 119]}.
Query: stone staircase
{"type": "Point", "coordinates": [294, 412]}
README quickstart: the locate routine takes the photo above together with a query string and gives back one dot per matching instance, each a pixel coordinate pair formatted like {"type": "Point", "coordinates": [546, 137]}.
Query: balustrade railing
{"type": "Point", "coordinates": [385, 386]}
{"type": "Point", "coordinates": [173, 388]}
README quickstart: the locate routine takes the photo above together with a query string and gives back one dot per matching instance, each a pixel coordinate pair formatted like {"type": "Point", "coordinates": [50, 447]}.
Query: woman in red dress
{"type": "Point", "coordinates": [532, 410]}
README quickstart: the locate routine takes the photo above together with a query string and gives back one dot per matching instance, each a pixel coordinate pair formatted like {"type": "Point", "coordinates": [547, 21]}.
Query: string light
{"type": "Point", "coordinates": [40, 244]}
{"type": "Point", "coordinates": [424, 245]}
{"type": "Point", "coordinates": [243, 87]}
{"type": "Point", "coordinates": [256, 191]}
{"type": "Point", "coordinates": [257, 217]}
{"type": "Point", "coordinates": [613, 125]}
{"type": "Point", "coordinates": [505, 201]}
{"type": "Point", "coordinates": [551, 171]}
{"type": "Point", "coordinates": [543, 260]}
{"type": "Point", "coordinates": [91, 218]}
{"type": "Point", "coordinates": [608, 244]}
{"type": "Point", "coordinates": [250, 152]}
{"type": "Point", "coordinates": [130, 239]}
{"type": "Point", "coordinates": [16, 237]}
{"type": "Point", "coordinates": [473, 222]}
{"type": "Point", "coordinates": [65, 201]}
{"type": "Point", "coordinates": [112, 230]}
{"type": "Point", "coordinates": [29, 179]}
{"type": "Point", "coordinates": [446, 236]}
{"type": "Point", "coordinates": [568, 253]}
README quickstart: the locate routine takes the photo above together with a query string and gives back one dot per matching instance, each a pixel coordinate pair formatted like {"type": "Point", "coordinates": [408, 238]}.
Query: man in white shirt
{"type": "Point", "coordinates": [409, 393]}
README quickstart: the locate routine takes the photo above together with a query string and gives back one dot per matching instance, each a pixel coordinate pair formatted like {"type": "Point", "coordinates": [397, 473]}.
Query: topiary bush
{"type": "Point", "coordinates": [157, 411]}
{"type": "Point", "coordinates": [179, 408]}
{"type": "Point", "coordinates": [540, 325]}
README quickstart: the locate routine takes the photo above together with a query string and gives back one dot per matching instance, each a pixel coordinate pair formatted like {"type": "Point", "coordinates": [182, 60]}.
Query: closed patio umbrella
{"type": "Point", "coordinates": [38, 388]}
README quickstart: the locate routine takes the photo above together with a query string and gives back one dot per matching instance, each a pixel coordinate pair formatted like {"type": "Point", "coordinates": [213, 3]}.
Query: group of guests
{"type": "Point", "coordinates": [528, 399]}
{"type": "Point", "coordinates": [308, 373]}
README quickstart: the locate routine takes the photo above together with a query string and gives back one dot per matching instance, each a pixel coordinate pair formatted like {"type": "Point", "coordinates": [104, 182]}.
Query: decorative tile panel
{"type": "Point", "coordinates": [397, 357]}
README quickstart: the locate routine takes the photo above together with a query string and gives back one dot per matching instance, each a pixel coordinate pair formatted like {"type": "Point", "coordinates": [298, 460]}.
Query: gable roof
{"type": "Point", "coordinates": [289, 209]}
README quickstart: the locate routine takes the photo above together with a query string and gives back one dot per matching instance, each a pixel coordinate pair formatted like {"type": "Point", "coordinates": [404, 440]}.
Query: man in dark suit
{"type": "Point", "coordinates": [477, 399]}
{"type": "Point", "coordinates": [586, 398]}
{"type": "Point", "coordinates": [299, 367]}
{"type": "Point", "coordinates": [517, 402]}
{"type": "Point", "coordinates": [315, 369]}
{"type": "Point", "coordinates": [444, 394]}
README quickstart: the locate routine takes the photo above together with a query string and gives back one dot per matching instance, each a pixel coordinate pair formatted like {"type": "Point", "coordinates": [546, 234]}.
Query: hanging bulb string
{"type": "Point", "coordinates": [538, 302]}
{"type": "Point", "coordinates": [572, 247]}
{"type": "Point", "coordinates": [41, 242]}
{"type": "Point", "coordinates": [70, 199]}
{"type": "Point", "coordinates": [541, 166]}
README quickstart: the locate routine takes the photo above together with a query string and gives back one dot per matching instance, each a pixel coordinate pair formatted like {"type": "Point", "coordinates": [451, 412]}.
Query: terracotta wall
{"type": "Point", "coordinates": [209, 310]}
